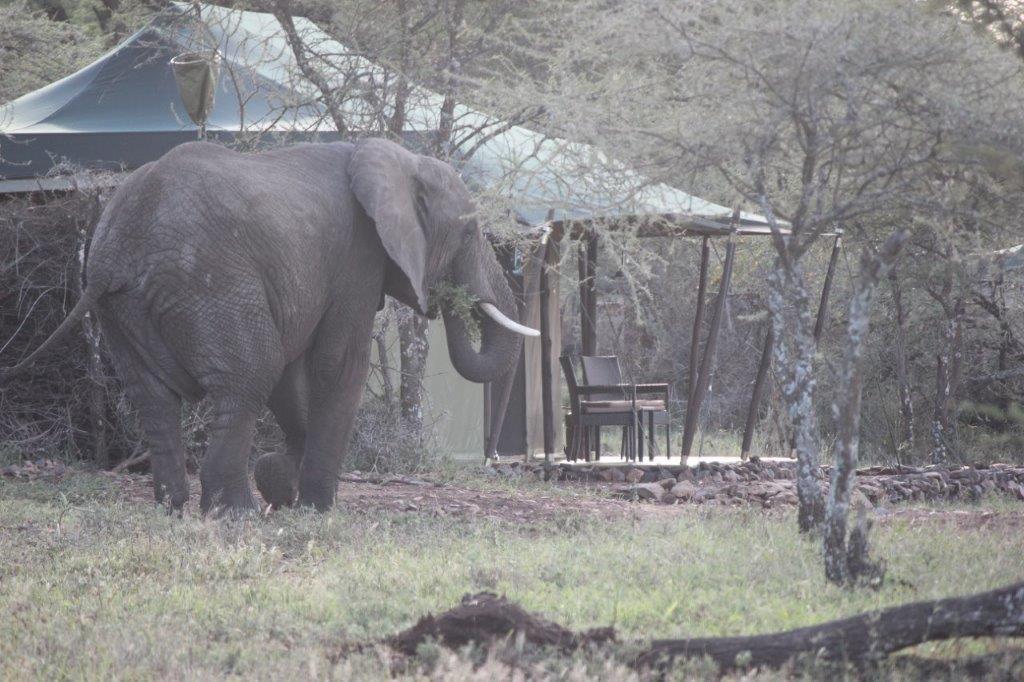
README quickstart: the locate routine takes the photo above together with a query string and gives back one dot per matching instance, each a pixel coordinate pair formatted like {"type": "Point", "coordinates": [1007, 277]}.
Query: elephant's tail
{"type": "Point", "coordinates": [85, 303]}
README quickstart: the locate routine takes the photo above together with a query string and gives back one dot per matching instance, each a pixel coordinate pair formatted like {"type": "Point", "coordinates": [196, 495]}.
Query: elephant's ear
{"type": "Point", "coordinates": [383, 178]}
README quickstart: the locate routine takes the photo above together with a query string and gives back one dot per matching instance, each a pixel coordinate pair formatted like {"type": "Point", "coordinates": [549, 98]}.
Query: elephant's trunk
{"type": "Point", "coordinates": [479, 272]}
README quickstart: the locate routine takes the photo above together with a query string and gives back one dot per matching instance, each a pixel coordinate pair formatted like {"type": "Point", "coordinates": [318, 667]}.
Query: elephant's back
{"type": "Point", "coordinates": [205, 227]}
{"type": "Point", "coordinates": [204, 198]}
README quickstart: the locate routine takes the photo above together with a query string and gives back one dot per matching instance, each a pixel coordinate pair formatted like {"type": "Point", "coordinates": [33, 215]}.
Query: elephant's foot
{"type": "Point", "coordinates": [317, 491]}
{"type": "Point", "coordinates": [173, 498]}
{"type": "Point", "coordinates": [277, 479]}
{"type": "Point", "coordinates": [228, 501]}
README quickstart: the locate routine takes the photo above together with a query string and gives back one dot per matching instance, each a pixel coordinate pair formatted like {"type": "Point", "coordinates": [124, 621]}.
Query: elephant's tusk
{"type": "Point", "coordinates": [511, 325]}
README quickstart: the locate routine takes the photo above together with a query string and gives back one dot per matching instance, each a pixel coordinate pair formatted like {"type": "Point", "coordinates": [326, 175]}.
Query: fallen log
{"type": "Point", "coordinates": [859, 639]}
{"type": "Point", "coordinates": [486, 617]}
{"type": "Point", "coordinates": [862, 639]}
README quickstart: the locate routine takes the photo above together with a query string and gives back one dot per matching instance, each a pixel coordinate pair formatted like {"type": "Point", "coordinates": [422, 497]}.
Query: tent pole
{"type": "Point", "coordinates": [698, 319]}
{"type": "Point", "coordinates": [581, 271]}
{"type": "Point", "coordinates": [704, 376]}
{"type": "Point", "coordinates": [755, 398]}
{"type": "Point", "coordinates": [487, 421]}
{"type": "Point", "coordinates": [826, 289]}
{"type": "Point", "coordinates": [590, 330]}
{"type": "Point", "coordinates": [546, 378]}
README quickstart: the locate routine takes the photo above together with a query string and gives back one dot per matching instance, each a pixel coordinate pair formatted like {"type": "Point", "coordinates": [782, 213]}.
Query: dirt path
{"type": "Point", "coordinates": [527, 501]}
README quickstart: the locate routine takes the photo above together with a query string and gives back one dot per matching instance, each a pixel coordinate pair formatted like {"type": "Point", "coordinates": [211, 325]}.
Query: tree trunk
{"type": "Point", "coordinates": [380, 341]}
{"type": "Point", "coordinates": [860, 639]}
{"type": "Point", "coordinates": [414, 345]}
{"type": "Point", "coordinates": [794, 350]}
{"type": "Point", "coordinates": [841, 565]}
{"type": "Point", "coordinates": [903, 380]}
{"type": "Point", "coordinates": [948, 373]}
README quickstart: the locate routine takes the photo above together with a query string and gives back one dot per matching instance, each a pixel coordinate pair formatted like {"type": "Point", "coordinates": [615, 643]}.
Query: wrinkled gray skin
{"type": "Point", "coordinates": [254, 279]}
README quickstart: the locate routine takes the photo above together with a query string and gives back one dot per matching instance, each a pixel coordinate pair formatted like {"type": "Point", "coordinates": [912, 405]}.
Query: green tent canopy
{"type": "Point", "coordinates": [125, 110]}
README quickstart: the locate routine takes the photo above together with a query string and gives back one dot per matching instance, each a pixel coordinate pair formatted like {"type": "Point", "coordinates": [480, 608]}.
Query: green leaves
{"type": "Point", "coordinates": [458, 301]}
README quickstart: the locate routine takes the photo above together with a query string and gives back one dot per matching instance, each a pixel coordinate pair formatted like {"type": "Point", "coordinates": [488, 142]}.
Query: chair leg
{"type": "Point", "coordinates": [668, 436]}
{"type": "Point", "coordinates": [632, 439]}
{"type": "Point", "coordinates": [650, 434]}
{"type": "Point", "coordinates": [640, 437]}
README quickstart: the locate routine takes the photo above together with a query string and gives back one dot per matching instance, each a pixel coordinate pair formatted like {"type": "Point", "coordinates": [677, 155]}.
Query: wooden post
{"type": "Point", "coordinates": [698, 319]}
{"type": "Point", "coordinates": [546, 378]}
{"type": "Point", "coordinates": [755, 398]}
{"type": "Point", "coordinates": [704, 376]}
{"type": "Point", "coordinates": [487, 421]}
{"type": "Point", "coordinates": [581, 268]}
{"type": "Point", "coordinates": [826, 289]}
{"type": "Point", "coordinates": [589, 330]}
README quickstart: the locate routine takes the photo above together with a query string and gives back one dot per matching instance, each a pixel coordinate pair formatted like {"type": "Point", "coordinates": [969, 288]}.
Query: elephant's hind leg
{"type": "Point", "coordinates": [225, 471]}
{"type": "Point", "coordinates": [159, 410]}
{"type": "Point", "coordinates": [160, 418]}
{"type": "Point", "coordinates": [277, 474]}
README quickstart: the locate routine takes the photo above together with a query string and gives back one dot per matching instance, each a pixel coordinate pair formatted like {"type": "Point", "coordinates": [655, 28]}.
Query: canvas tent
{"type": "Point", "coordinates": [124, 110]}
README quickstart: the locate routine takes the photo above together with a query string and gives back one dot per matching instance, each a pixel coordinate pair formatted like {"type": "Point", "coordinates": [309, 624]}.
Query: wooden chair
{"type": "Point", "coordinates": [589, 415]}
{"type": "Point", "coordinates": [653, 408]}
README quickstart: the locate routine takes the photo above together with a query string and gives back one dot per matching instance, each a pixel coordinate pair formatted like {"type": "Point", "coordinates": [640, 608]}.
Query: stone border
{"type": "Point", "coordinates": [773, 483]}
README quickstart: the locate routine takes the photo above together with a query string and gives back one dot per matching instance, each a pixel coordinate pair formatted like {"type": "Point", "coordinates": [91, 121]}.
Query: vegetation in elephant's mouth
{"type": "Point", "coordinates": [459, 301]}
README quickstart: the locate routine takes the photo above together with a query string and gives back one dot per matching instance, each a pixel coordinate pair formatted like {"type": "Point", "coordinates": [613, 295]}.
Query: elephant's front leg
{"type": "Point", "coordinates": [336, 385]}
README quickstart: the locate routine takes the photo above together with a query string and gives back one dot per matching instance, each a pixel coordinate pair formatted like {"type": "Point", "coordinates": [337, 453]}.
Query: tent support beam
{"type": "Point", "coordinates": [548, 251]}
{"type": "Point", "coordinates": [487, 421]}
{"type": "Point", "coordinates": [589, 323]}
{"type": "Point", "coordinates": [698, 320]}
{"type": "Point", "coordinates": [704, 376]}
{"type": "Point", "coordinates": [755, 398]}
{"type": "Point", "coordinates": [826, 288]}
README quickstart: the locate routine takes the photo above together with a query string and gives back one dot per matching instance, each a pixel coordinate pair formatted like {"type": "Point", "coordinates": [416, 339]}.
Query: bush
{"type": "Point", "coordinates": [381, 442]}
{"type": "Point", "coordinates": [49, 410]}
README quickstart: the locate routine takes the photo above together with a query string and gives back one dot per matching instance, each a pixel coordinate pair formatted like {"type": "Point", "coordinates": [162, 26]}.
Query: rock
{"type": "Point", "coordinates": [684, 490]}
{"type": "Point", "coordinates": [650, 476]}
{"type": "Point", "coordinates": [635, 475]}
{"type": "Point", "coordinates": [730, 476]}
{"type": "Point", "coordinates": [664, 473]}
{"type": "Point", "coordinates": [785, 498]}
{"type": "Point", "coordinates": [649, 491]}
{"type": "Point", "coordinates": [859, 500]}
{"type": "Point", "coordinates": [667, 483]}
{"type": "Point", "coordinates": [686, 474]}
{"type": "Point", "coordinates": [668, 498]}
{"type": "Point", "coordinates": [612, 474]}
{"type": "Point", "coordinates": [703, 495]}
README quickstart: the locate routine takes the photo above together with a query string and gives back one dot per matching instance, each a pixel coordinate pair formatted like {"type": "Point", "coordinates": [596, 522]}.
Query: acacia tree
{"type": "Point", "coordinates": [818, 115]}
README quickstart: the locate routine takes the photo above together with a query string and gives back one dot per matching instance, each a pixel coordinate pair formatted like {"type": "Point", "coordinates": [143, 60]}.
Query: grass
{"type": "Point", "coordinates": [91, 586]}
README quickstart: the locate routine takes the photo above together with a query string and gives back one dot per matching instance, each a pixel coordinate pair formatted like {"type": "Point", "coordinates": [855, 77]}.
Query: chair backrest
{"type": "Point", "coordinates": [570, 379]}
{"type": "Point", "coordinates": [600, 370]}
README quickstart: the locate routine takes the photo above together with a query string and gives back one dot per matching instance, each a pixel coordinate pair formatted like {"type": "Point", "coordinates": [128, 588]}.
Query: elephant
{"type": "Point", "coordinates": [253, 280]}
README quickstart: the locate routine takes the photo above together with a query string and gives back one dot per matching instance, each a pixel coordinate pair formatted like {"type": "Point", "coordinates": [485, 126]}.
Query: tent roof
{"type": "Point", "coordinates": [124, 110]}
